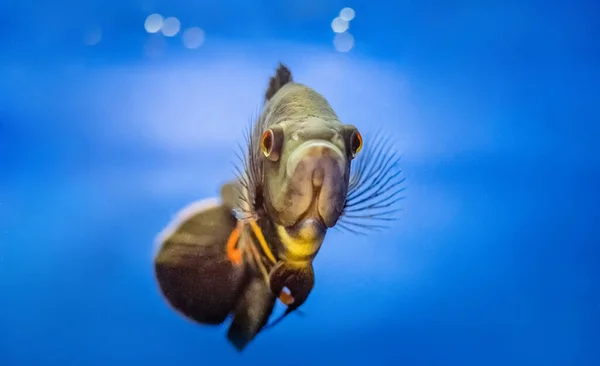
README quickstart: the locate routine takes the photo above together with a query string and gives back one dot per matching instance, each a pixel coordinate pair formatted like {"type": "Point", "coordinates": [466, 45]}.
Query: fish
{"type": "Point", "coordinates": [300, 173]}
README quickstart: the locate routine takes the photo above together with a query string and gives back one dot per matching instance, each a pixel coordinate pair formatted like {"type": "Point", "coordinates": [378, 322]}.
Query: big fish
{"type": "Point", "coordinates": [300, 175]}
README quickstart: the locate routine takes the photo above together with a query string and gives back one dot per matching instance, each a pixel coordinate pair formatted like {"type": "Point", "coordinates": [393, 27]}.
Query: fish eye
{"type": "Point", "coordinates": [270, 143]}
{"type": "Point", "coordinates": [356, 143]}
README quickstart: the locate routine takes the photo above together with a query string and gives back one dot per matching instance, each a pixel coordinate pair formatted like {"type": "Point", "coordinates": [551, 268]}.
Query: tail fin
{"type": "Point", "coordinates": [282, 76]}
{"type": "Point", "coordinates": [192, 268]}
{"type": "Point", "coordinates": [199, 280]}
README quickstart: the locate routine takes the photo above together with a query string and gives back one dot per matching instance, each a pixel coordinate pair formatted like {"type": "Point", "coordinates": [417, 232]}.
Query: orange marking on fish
{"type": "Point", "coordinates": [233, 253]}
{"type": "Point", "coordinates": [286, 298]}
{"type": "Point", "coordinates": [261, 240]}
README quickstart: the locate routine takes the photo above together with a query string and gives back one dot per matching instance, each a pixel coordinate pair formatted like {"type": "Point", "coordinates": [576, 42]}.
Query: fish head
{"type": "Point", "coordinates": [306, 173]}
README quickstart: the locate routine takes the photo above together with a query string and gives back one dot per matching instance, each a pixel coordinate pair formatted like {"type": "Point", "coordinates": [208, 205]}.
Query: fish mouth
{"type": "Point", "coordinates": [311, 225]}
{"type": "Point", "coordinates": [302, 240]}
{"type": "Point", "coordinates": [312, 199]}
{"type": "Point", "coordinates": [317, 169]}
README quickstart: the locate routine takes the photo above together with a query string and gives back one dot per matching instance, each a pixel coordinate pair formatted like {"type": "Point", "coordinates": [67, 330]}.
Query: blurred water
{"type": "Point", "coordinates": [495, 261]}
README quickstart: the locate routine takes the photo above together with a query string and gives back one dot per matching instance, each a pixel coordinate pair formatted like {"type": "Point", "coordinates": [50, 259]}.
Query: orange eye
{"type": "Point", "coordinates": [270, 143]}
{"type": "Point", "coordinates": [266, 142]}
{"type": "Point", "coordinates": [356, 143]}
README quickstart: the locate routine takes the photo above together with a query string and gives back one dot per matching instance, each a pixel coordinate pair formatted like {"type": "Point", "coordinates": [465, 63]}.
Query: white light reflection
{"type": "Point", "coordinates": [153, 23]}
{"type": "Point", "coordinates": [339, 25]}
{"type": "Point", "coordinates": [343, 42]}
{"type": "Point", "coordinates": [193, 37]}
{"type": "Point", "coordinates": [347, 14]}
{"type": "Point", "coordinates": [171, 27]}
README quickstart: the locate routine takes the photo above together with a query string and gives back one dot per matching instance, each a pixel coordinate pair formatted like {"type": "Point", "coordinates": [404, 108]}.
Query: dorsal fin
{"type": "Point", "coordinates": [282, 76]}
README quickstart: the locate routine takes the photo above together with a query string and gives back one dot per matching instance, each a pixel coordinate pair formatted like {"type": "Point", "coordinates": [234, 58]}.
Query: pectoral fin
{"type": "Point", "coordinates": [192, 267]}
{"type": "Point", "coordinates": [251, 314]}
{"type": "Point", "coordinates": [299, 279]}
{"type": "Point", "coordinates": [231, 194]}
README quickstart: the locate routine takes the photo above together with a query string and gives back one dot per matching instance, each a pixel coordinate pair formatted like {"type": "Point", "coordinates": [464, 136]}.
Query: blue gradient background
{"type": "Point", "coordinates": [495, 105]}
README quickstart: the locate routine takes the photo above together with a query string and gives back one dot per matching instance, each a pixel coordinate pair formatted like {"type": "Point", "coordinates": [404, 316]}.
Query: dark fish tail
{"type": "Point", "coordinates": [192, 267]}
{"type": "Point", "coordinates": [201, 279]}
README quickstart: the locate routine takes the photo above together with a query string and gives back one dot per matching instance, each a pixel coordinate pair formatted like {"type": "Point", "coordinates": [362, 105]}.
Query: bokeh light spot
{"type": "Point", "coordinates": [343, 42]}
{"type": "Point", "coordinates": [171, 26]}
{"type": "Point", "coordinates": [339, 25]}
{"type": "Point", "coordinates": [193, 37]}
{"type": "Point", "coordinates": [153, 23]}
{"type": "Point", "coordinates": [347, 14]}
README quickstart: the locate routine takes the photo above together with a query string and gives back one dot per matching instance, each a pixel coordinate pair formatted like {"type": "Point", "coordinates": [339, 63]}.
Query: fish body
{"type": "Point", "coordinates": [236, 255]}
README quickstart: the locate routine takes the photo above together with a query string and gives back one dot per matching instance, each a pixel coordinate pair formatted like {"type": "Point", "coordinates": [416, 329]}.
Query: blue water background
{"type": "Point", "coordinates": [494, 105]}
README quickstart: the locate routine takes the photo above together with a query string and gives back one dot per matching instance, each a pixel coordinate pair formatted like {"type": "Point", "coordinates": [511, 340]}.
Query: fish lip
{"type": "Point", "coordinates": [318, 221]}
{"type": "Point", "coordinates": [322, 155]}
{"type": "Point", "coordinates": [311, 214]}
{"type": "Point", "coordinates": [301, 152]}
{"type": "Point", "coordinates": [300, 196]}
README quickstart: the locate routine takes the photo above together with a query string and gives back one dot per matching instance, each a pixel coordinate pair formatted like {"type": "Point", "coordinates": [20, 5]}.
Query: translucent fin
{"type": "Point", "coordinates": [252, 313]}
{"type": "Point", "coordinates": [232, 194]}
{"type": "Point", "coordinates": [192, 267]}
